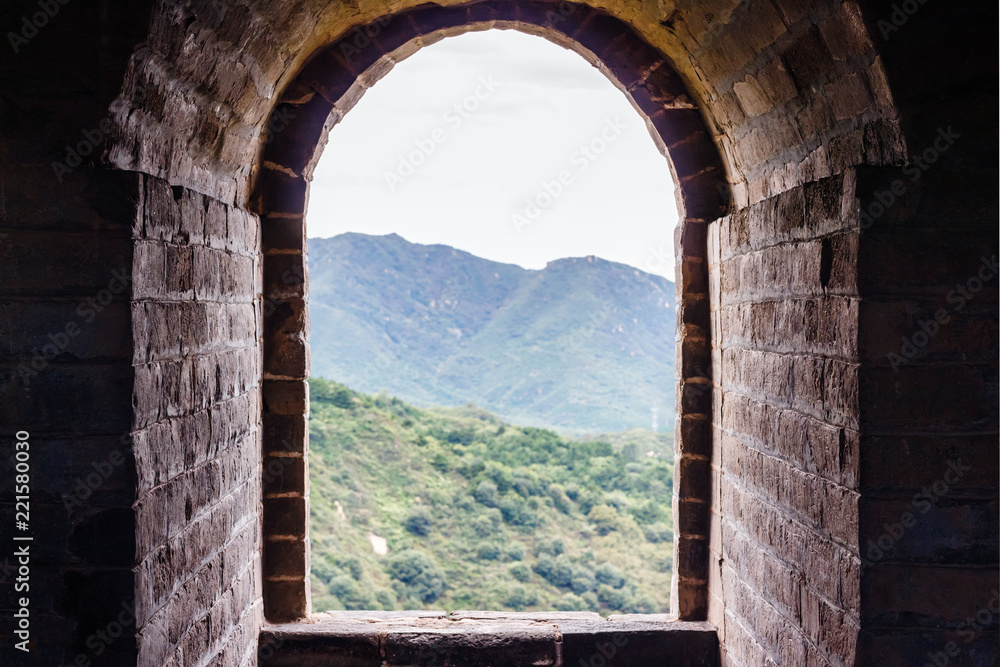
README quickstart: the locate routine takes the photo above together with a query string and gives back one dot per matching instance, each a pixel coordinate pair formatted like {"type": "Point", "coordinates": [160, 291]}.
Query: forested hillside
{"type": "Point", "coordinates": [457, 509]}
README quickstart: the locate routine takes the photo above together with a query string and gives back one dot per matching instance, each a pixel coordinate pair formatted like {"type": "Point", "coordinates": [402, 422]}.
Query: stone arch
{"type": "Point", "coordinates": [797, 107]}
{"type": "Point", "coordinates": [318, 97]}
{"type": "Point", "coordinates": [790, 92]}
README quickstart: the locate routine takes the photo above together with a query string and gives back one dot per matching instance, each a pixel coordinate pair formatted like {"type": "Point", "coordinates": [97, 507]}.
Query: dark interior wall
{"type": "Point", "coordinates": [112, 375]}
{"type": "Point", "coordinates": [800, 94]}
{"type": "Point", "coordinates": [66, 372]}
{"type": "Point", "coordinates": [867, 534]}
{"type": "Point", "coordinates": [928, 343]}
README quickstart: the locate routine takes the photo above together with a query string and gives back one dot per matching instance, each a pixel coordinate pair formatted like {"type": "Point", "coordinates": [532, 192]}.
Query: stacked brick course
{"type": "Point", "coordinates": [196, 322]}
{"type": "Point", "coordinates": [785, 562]}
{"type": "Point", "coordinates": [66, 374]}
{"type": "Point", "coordinates": [928, 406]}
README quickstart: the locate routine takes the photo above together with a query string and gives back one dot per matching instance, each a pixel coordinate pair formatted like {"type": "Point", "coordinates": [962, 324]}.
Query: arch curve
{"type": "Point", "coordinates": [336, 76]}
{"type": "Point", "coordinates": [323, 91]}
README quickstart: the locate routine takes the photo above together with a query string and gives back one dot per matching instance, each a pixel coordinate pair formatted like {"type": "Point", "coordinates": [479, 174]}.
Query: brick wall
{"type": "Point", "coordinates": [797, 90]}
{"type": "Point", "coordinates": [820, 440]}
{"type": "Point", "coordinates": [791, 91]}
{"type": "Point", "coordinates": [196, 323]}
{"type": "Point", "coordinates": [65, 338]}
{"type": "Point", "coordinates": [785, 574]}
{"type": "Point", "coordinates": [928, 341]}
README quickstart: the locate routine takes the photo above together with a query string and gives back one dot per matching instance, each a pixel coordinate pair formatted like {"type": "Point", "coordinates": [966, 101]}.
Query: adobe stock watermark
{"type": "Point", "coordinates": [922, 162]}
{"type": "Point", "coordinates": [551, 190]}
{"type": "Point", "coordinates": [75, 155]}
{"type": "Point", "coordinates": [562, 12]}
{"type": "Point", "coordinates": [606, 651]}
{"type": "Point", "coordinates": [278, 123]}
{"type": "Point", "coordinates": [917, 342]}
{"type": "Point", "coordinates": [922, 502]}
{"type": "Point", "coordinates": [968, 631]}
{"type": "Point", "coordinates": [454, 118]}
{"type": "Point", "coordinates": [90, 144]}
{"type": "Point", "coordinates": [377, 368]}
{"type": "Point", "coordinates": [59, 340]}
{"type": "Point", "coordinates": [268, 649]}
{"type": "Point", "coordinates": [102, 639]}
{"type": "Point", "coordinates": [86, 486]}
{"type": "Point", "coordinates": [291, 278]}
{"type": "Point", "coordinates": [901, 14]}
{"type": "Point", "coordinates": [595, 319]}
{"type": "Point", "coordinates": [361, 38]}
{"type": "Point", "coordinates": [280, 461]}
{"type": "Point", "coordinates": [33, 24]}
{"type": "Point", "coordinates": [658, 260]}
{"type": "Point", "coordinates": [450, 291]}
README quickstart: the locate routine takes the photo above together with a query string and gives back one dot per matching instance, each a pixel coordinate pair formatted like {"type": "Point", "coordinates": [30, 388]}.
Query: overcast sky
{"type": "Point", "coordinates": [503, 145]}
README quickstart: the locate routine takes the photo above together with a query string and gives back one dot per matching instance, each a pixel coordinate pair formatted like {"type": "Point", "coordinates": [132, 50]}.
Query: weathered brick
{"type": "Point", "coordinates": [195, 99]}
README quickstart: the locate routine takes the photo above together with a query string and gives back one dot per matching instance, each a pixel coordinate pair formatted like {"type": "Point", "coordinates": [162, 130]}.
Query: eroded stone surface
{"type": "Point", "coordinates": [493, 639]}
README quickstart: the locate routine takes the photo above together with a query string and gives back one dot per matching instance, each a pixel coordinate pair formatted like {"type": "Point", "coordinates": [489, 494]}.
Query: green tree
{"type": "Point", "coordinates": [487, 493]}
{"type": "Point", "coordinates": [583, 580]}
{"type": "Point", "coordinates": [649, 512]}
{"type": "Point", "coordinates": [560, 499]}
{"type": "Point", "coordinates": [499, 475]}
{"type": "Point", "coordinates": [349, 592]}
{"type": "Point", "coordinates": [418, 521]}
{"type": "Point", "coordinates": [641, 604]}
{"type": "Point", "coordinates": [352, 565]}
{"type": "Point", "coordinates": [571, 602]}
{"type": "Point", "coordinates": [441, 461]}
{"type": "Point", "coordinates": [608, 574]}
{"type": "Point", "coordinates": [516, 551]}
{"type": "Point", "coordinates": [613, 598]}
{"type": "Point", "coordinates": [418, 573]}
{"type": "Point", "coordinates": [658, 533]}
{"type": "Point", "coordinates": [516, 512]}
{"type": "Point", "coordinates": [482, 526]}
{"type": "Point", "coordinates": [557, 571]}
{"type": "Point", "coordinates": [386, 600]}
{"type": "Point", "coordinates": [604, 518]}
{"type": "Point", "coordinates": [520, 596]}
{"type": "Point", "coordinates": [520, 572]}
{"type": "Point", "coordinates": [552, 547]}
{"type": "Point", "coordinates": [488, 551]}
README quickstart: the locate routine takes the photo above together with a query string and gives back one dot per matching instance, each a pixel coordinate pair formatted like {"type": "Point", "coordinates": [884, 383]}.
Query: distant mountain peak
{"type": "Point", "coordinates": [341, 242]}
{"type": "Point", "coordinates": [585, 344]}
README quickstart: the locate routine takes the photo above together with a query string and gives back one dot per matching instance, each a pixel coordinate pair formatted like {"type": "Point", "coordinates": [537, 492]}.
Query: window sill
{"type": "Point", "coordinates": [482, 639]}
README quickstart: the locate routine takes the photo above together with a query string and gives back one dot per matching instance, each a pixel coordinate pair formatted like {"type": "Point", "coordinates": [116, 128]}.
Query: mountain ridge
{"type": "Point", "coordinates": [583, 345]}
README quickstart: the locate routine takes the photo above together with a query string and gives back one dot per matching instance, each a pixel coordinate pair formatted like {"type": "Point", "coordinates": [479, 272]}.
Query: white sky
{"type": "Point", "coordinates": [491, 157]}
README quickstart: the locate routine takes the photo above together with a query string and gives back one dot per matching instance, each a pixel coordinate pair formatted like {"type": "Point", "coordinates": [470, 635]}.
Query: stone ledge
{"type": "Point", "coordinates": [487, 639]}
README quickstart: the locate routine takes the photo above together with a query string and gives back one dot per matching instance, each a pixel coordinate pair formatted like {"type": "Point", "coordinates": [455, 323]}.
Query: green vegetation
{"type": "Point", "coordinates": [481, 514]}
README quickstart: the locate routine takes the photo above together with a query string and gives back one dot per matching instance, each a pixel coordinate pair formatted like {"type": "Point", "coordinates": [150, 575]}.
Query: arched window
{"type": "Point", "coordinates": [319, 96]}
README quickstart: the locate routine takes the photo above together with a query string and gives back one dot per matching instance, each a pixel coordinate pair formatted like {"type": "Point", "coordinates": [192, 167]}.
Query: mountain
{"type": "Point", "coordinates": [454, 508]}
{"type": "Point", "coordinates": [582, 346]}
